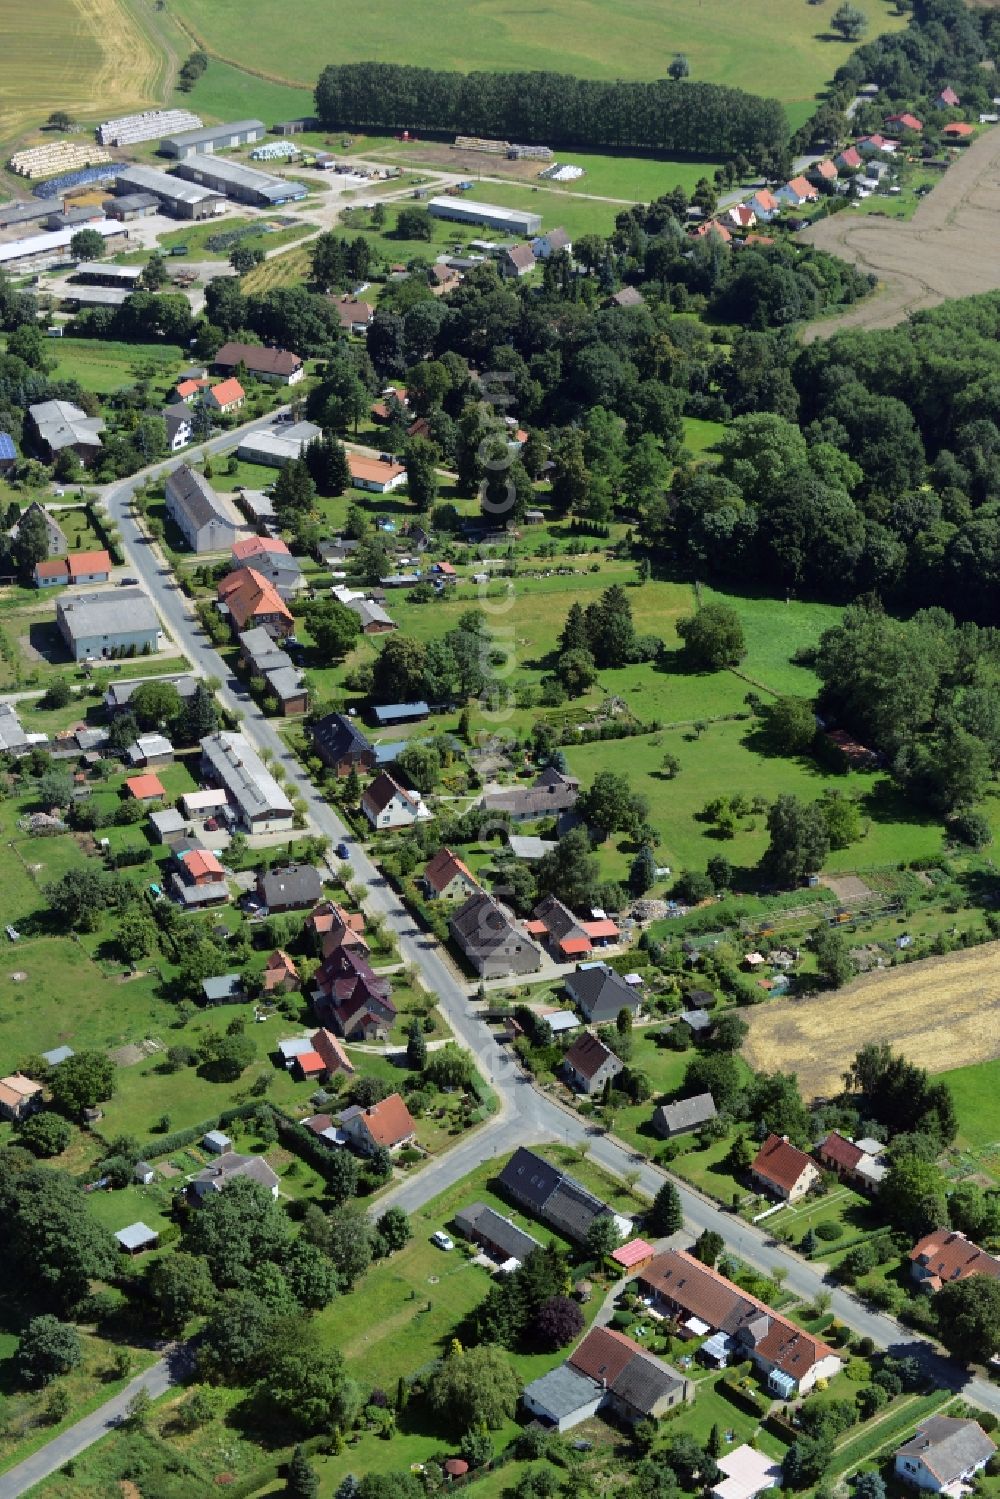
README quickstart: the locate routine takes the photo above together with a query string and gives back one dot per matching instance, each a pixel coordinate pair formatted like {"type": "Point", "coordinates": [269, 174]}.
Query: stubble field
{"type": "Point", "coordinates": [942, 1013]}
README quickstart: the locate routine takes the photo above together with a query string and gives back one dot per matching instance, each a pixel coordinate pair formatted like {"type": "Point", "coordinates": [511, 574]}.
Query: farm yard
{"type": "Point", "coordinates": [941, 1013]}
{"type": "Point", "coordinates": [944, 251]}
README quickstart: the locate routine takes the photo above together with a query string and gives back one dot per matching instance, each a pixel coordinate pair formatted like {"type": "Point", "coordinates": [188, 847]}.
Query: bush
{"type": "Point", "coordinates": [829, 1230]}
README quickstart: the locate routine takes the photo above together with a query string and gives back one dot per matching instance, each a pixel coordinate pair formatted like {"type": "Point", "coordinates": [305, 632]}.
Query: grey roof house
{"type": "Point", "coordinates": [589, 1064]}
{"type": "Point", "coordinates": [607, 1371]}
{"type": "Point", "coordinates": [230, 762]}
{"type": "Point", "coordinates": [553, 1197]}
{"type": "Point", "coordinates": [944, 1456]}
{"type": "Point", "coordinates": [484, 930]}
{"type": "Point", "coordinates": [293, 888]}
{"type": "Point", "coordinates": [686, 1114]}
{"type": "Point", "coordinates": [209, 522]}
{"type": "Point", "coordinates": [549, 794]}
{"type": "Point", "coordinates": [115, 623]}
{"type": "Point", "coordinates": [227, 1168]}
{"type": "Point", "coordinates": [501, 1238]}
{"type": "Point", "coordinates": [55, 535]}
{"type": "Point", "coordinates": [599, 993]}
{"type": "Point", "coordinates": [61, 425]}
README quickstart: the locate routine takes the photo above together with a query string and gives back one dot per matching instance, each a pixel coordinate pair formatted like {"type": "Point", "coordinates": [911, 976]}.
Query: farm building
{"type": "Point", "coordinates": [276, 366]}
{"type": "Point", "coordinates": [14, 740]}
{"type": "Point", "coordinates": [242, 183]}
{"type": "Point", "coordinates": [209, 522]}
{"type": "Point", "coordinates": [184, 200]}
{"type": "Point", "coordinates": [60, 425]}
{"type": "Point", "coordinates": [149, 125]}
{"type": "Point", "coordinates": [40, 251]}
{"type": "Point", "coordinates": [131, 206]}
{"type": "Point", "coordinates": [13, 214]}
{"type": "Point", "coordinates": [229, 760]}
{"type": "Point", "coordinates": [101, 273]}
{"type": "Point", "coordinates": [107, 624]}
{"type": "Point", "coordinates": [210, 138]}
{"type": "Point", "coordinates": [119, 695]}
{"type": "Point", "coordinates": [467, 211]}
{"type": "Point", "coordinates": [275, 446]}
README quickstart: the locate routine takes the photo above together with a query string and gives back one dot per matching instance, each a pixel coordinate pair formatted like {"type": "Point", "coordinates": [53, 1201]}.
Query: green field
{"type": "Point", "coordinates": [104, 366]}
{"type": "Point", "coordinates": [269, 235]}
{"type": "Point", "coordinates": [224, 92]}
{"type": "Point", "coordinates": [779, 47]}
{"type": "Point", "coordinates": [976, 1091]}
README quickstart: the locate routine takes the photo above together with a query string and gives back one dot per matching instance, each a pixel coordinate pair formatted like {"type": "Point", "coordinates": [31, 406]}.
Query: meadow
{"type": "Point", "coordinates": [780, 47]}
{"type": "Point", "coordinates": [106, 366]}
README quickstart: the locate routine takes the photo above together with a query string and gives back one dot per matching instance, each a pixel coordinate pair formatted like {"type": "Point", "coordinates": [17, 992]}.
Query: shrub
{"type": "Point", "coordinates": [829, 1230]}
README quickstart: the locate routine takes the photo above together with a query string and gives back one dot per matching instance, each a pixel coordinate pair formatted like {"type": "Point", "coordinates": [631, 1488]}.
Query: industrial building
{"type": "Point", "coordinates": [240, 182]}
{"type": "Point", "coordinates": [229, 761]}
{"type": "Point", "coordinates": [131, 206]}
{"type": "Point", "coordinates": [504, 220]}
{"type": "Point", "coordinates": [184, 200]}
{"type": "Point", "coordinates": [96, 296]}
{"type": "Point", "coordinates": [150, 125]}
{"type": "Point", "coordinates": [276, 446]}
{"type": "Point", "coordinates": [99, 274]}
{"type": "Point", "coordinates": [13, 215]}
{"type": "Point", "coordinates": [40, 251]}
{"type": "Point", "coordinates": [212, 138]}
{"type": "Point", "coordinates": [117, 623]}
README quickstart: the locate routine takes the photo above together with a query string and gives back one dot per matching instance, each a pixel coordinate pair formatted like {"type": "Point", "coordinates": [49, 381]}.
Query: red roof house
{"type": "Point", "coordinates": [905, 121]}
{"type": "Point", "coordinates": [958, 131]}
{"type": "Point", "coordinates": [252, 600]}
{"type": "Point", "coordinates": [280, 974]}
{"type": "Point", "coordinates": [784, 1170]}
{"type": "Point", "coordinates": [387, 1124]}
{"type": "Point", "coordinates": [147, 788]}
{"type": "Point", "coordinates": [942, 1256]}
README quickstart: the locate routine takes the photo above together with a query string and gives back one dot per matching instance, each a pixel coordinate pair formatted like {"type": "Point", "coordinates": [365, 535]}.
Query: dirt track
{"type": "Point", "coordinates": [940, 1013]}
{"type": "Point", "coordinates": [948, 249]}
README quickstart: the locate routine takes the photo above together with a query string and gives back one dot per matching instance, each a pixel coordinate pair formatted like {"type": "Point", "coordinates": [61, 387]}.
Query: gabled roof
{"type": "Point", "coordinates": [496, 1230]}
{"type": "Point", "coordinates": [333, 1054]}
{"type": "Point", "coordinates": [201, 861]}
{"type": "Point", "coordinates": [802, 186]}
{"type": "Point", "coordinates": [850, 158]}
{"type": "Point", "coordinates": [957, 128]}
{"type": "Point", "coordinates": [258, 361]}
{"type": "Point", "coordinates": [907, 120]}
{"type": "Point", "coordinates": [248, 595]}
{"type": "Point", "coordinates": [145, 786]}
{"type": "Point", "coordinates": [780, 1162]}
{"type": "Point", "coordinates": [598, 990]}
{"type": "Point", "coordinates": [383, 790]}
{"type": "Point", "coordinates": [520, 256]}
{"type": "Point", "coordinates": [841, 1151]}
{"type": "Point", "coordinates": [588, 1055]}
{"type": "Point", "coordinates": [443, 868]}
{"type": "Point", "coordinates": [389, 1122]}
{"type": "Point", "coordinates": [826, 170]}
{"type": "Point", "coordinates": [227, 392]}
{"type": "Point", "coordinates": [948, 96]}
{"type": "Point", "coordinates": [259, 546]}
{"type": "Point", "coordinates": [340, 736]}
{"type": "Point", "coordinates": [951, 1256]}
{"type": "Point", "coordinates": [686, 1113]}
{"type": "Point", "coordinates": [949, 1447]}
{"type": "Point", "coordinates": [81, 564]}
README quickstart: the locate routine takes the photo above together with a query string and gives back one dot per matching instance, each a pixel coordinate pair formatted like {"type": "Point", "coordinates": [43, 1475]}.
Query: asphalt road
{"type": "Point", "coordinates": [525, 1115]}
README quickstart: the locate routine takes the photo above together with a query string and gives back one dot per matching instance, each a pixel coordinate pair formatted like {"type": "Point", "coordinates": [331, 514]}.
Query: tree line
{"type": "Point", "coordinates": [696, 119]}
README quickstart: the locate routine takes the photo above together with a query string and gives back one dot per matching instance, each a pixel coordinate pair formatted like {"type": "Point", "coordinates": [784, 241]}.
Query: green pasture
{"type": "Point", "coordinates": [268, 235]}
{"type": "Point", "coordinates": [779, 47]}
{"type": "Point", "coordinates": [224, 92]}
{"type": "Point", "coordinates": [103, 366]}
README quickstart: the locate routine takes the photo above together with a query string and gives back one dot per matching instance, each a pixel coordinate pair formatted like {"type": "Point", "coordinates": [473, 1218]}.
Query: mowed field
{"type": "Point", "coordinates": [940, 1013]}
{"type": "Point", "coordinates": [84, 56]}
{"type": "Point", "coordinates": [947, 249]}
{"type": "Point", "coordinates": [780, 48]}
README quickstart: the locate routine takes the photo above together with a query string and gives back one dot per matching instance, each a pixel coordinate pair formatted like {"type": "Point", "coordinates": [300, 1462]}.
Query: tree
{"type": "Point", "coordinates": [576, 670]}
{"type": "Point", "coordinates": [302, 1482]}
{"type": "Point", "coordinates": [666, 1215]}
{"type": "Point", "coordinates": [138, 1409]}
{"type": "Point", "coordinates": [475, 1388]}
{"type": "Point", "coordinates": [236, 1337]}
{"type": "Point", "coordinates": [305, 1388]}
{"type": "Point", "coordinates": [294, 491]}
{"type": "Point", "coordinates": [708, 1246]}
{"type": "Point", "coordinates": [833, 956]}
{"type": "Point", "coordinates": [224, 1059]}
{"type": "Point", "coordinates": [775, 1103]}
{"type": "Point", "coordinates": [842, 818]}
{"type": "Point", "coordinates": [416, 1046]}
{"type": "Point", "coordinates": [393, 1227]}
{"type": "Point", "coordinates": [31, 544]}
{"type": "Point", "coordinates": [348, 1242]}
{"type": "Point", "coordinates": [790, 725]}
{"type": "Point", "coordinates": [52, 1249]}
{"type": "Point", "coordinates": [851, 22]}
{"type": "Point", "coordinates": [46, 1349]}
{"type": "Point", "coordinates": [718, 1073]}
{"type": "Point", "coordinates": [156, 705]}
{"type": "Point", "coordinates": [237, 1230]}
{"type": "Point", "coordinates": [243, 258]}
{"type": "Point", "coordinates": [58, 694]}
{"type": "Point", "coordinates": [201, 716]}
{"type": "Point", "coordinates": [399, 670]}
{"type": "Point", "coordinates": [869, 1485]}
{"type": "Point", "coordinates": [559, 1321]}
{"type": "Point", "coordinates": [720, 872]}
{"type": "Point", "coordinates": [603, 1236]}
{"type": "Point", "coordinates": [59, 120]}
{"type": "Point", "coordinates": [77, 899]}
{"type": "Point", "coordinates": [678, 67]}
{"type": "Point", "coordinates": [414, 223]}
{"type": "Point", "coordinates": [333, 627]}
{"type": "Point", "coordinates": [450, 1067]}
{"type": "Point", "coordinates": [913, 1196]}
{"type": "Point", "coordinates": [729, 1032]}
{"type": "Point", "coordinates": [713, 638]}
{"type": "Point", "coordinates": [154, 272]}
{"type": "Point", "coordinates": [642, 871]}
{"type": "Point", "coordinates": [45, 1134]}
{"type": "Point", "coordinates": [328, 464]}
{"type": "Point", "coordinates": [82, 1081]}
{"type": "Point", "coordinates": [608, 805]}
{"type": "Point", "coordinates": [799, 841]}
{"type": "Point", "coordinates": [968, 1318]}
{"type": "Point", "coordinates": [54, 788]}
{"type": "Point", "coordinates": [180, 1286]}
{"type": "Point", "coordinates": [86, 244]}
{"type": "Point", "coordinates": [420, 458]}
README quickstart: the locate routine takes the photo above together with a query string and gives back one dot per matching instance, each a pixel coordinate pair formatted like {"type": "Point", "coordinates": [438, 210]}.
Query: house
{"type": "Point", "coordinates": [179, 427]}
{"type": "Point", "coordinates": [443, 279]}
{"type": "Point", "coordinates": [276, 366]}
{"type": "Point", "coordinates": [798, 191]}
{"type": "Point", "coordinates": [516, 261]}
{"type": "Point", "coordinates": [947, 99]}
{"type": "Point", "coordinates": [783, 1170]}
{"type": "Point", "coordinates": [765, 205]}
{"type": "Point", "coordinates": [567, 937]}
{"type": "Point", "coordinates": [373, 618]}
{"type": "Point", "coordinates": [78, 567]}
{"type": "Point", "coordinates": [957, 131]}
{"type": "Point", "coordinates": [209, 522]}
{"type": "Point", "coordinates": [229, 1167]}
{"type": "Point", "coordinates": [712, 226]}
{"type": "Point", "coordinates": [375, 475]}
{"type": "Point", "coordinates": [251, 600]}
{"type": "Point", "coordinates": [269, 556]}
{"type": "Point", "coordinates": [387, 1124]}
{"type": "Point", "coordinates": [589, 1064]}
{"type": "Point", "coordinates": [341, 745]}
{"type": "Point", "coordinates": [19, 1095]}
{"type": "Point", "coordinates": [905, 121]}
{"type": "Point", "coordinates": [824, 170]}
{"type": "Point", "coordinates": [600, 994]}
{"type": "Point", "coordinates": [316, 1057]}
{"type": "Point", "coordinates": [230, 763]}
{"type": "Point", "coordinates": [742, 216]}
{"type": "Point", "coordinates": [145, 788]}
{"type": "Point", "coordinates": [349, 996]}
{"type": "Point", "coordinates": [393, 397]}
{"type": "Point", "coordinates": [745, 1473]}
{"type": "Point", "coordinates": [354, 315]}
{"type": "Point", "coordinates": [944, 1455]}
{"type": "Point", "coordinates": [118, 697]}
{"type": "Point", "coordinates": [137, 1237]}
{"type": "Point", "coordinates": [686, 1114]}
{"type": "Point", "coordinates": [228, 395]}
{"type": "Point", "coordinates": [497, 1235]}
{"type": "Point", "coordinates": [855, 1161]}
{"type": "Point", "coordinates": [608, 1371]}
{"type": "Point", "coordinates": [873, 145]}
{"type": "Point", "coordinates": [168, 825]}
{"type": "Point", "coordinates": [551, 793]}
{"type": "Point", "coordinates": [446, 877]}
{"type": "Point", "coordinates": [485, 933]}
{"type": "Point", "coordinates": [278, 445]}
{"type": "Point", "coordinates": [200, 866]}
{"type": "Point", "coordinates": [292, 888]}
{"type": "Point", "coordinates": [61, 426]}
{"type": "Point", "coordinates": [151, 751]}
{"type": "Point", "coordinates": [222, 989]}
{"type": "Point", "coordinates": [280, 974]}
{"type": "Point", "coordinates": [553, 1197]}
{"type": "Point", "coordinates": [199, 879]}
{"type": "Point", "coordinates": [688, 1291]}
{"type": "Point", "coordinates": [55, 536]}
{"type": "Point", "coordinates": [629, 296]}
{"type": "Point", "coordinates": [100, 625]}
{"type": "Point", "coordinates": [188, 390]}
{"type": "Point", "coordinates": [943, 1255]}
{"type": "Point", "coordinates": [333, 1055]}
{"type": "Point", "coordinates": [553, 243]}
{"type": "Point", "coordinates": [848, 160]}
{"type": "Point", "coordinates": [387, 804]}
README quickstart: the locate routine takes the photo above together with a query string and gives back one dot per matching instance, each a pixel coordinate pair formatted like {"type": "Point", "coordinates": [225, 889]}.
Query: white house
{"type": "Point", "coordinates": [944, 1456]}
{"type": "Point", "coordinates": [387, 804]}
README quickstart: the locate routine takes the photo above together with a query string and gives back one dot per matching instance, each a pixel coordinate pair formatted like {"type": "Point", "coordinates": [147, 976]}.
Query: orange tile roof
{"type": "Point", "coordinates": [330, 1049]}
{"type": "Point", "coordinates": [606, 928]}
{"type": "Point", "coordinates": [143, 787]}
{"type": "Point", "coordinates": [88, 562]}
{"type": "Point", "coordinates": [958, 128]}
{"type": "Point", "coordinates": [310, 1062]}
{"type": "Point", "coordinates": [443, 868]}
{"type": "Point", "coordinates": [190, 387]}
{"type": "Point", "coordinates": [248, 595]}
{"type": "Point", "coordinates": [373, 469]}
{"type": "Point", "coordinates": [52, 567]}
{"type": "Point", "coordinates": [199, 861]}
{"type": "Point", "coordinates": [227, 392]}
{"type": "Point", "coordinates": [951, 1256]}
{"type": "Point", "coordinates": [390, 1121]}
{"type": "Point", "coordinates": [779, 1162]}
{"type": "Point", "coordinates": [256, 546]}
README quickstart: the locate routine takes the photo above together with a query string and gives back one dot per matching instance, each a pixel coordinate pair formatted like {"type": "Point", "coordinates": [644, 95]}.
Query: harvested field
{"type": "Point", "coordinates": [948, 249]}
{"type": "Point", "coordinates": [940, 1013]}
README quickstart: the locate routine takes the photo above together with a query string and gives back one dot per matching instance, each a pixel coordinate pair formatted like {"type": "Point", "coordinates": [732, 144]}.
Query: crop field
{"type": "Point", "coordinates": [943, 251]}
{"type": "Point", "coordinates": [79, 55]}
{"type": "Point", "coordinates": [778, 47]}
{"type": "Point", "coordinates": [941, 1010]}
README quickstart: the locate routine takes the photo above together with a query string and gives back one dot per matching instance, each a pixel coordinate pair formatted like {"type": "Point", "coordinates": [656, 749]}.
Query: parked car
{"type": "Point", "coordinates": [343, 852]}
{"type": "Point", "coordinates": [442, 1240]}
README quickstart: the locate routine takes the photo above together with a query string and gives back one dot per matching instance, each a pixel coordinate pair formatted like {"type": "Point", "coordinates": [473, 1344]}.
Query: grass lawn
{"type": "Point", "coordinates": [103, 366]}
{"type": "Point", "coordinates": [778, 48]}
{"type": "Point", "coordinates": [700, 434]}
{"type": "Point", "coordinates": [269, 235]}
{"type": "Point", "coordinates": [976, 1091]}
{"type": "Point", "coordinates": [774, 630]}
{"type": "Point", "coordinates": [227, 93]}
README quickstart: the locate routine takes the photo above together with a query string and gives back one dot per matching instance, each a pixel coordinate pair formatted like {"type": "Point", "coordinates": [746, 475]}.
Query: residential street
{"type": "Point", "coordinates": [525, 1116]}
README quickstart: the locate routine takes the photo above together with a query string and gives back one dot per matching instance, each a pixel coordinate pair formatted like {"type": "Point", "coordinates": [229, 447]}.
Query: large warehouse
{"type": "Point", "coordinates": [506, 220]}
{"type": "Point", "coordinates": [184, 200]}
{"type": "Point", "coordinates": [212, 138]}
{"type": "Point", "coordinates": [242, 183]}
{"type": "Point", "coordinates": [40, 251]}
